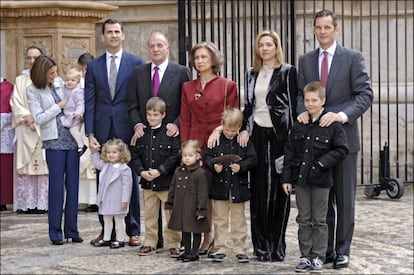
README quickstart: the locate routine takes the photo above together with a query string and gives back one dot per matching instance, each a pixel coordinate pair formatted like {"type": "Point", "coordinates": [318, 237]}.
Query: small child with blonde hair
{"type": "Point", "coordinates": [115, 187]}
{"type": "Point", "coordinates": [75, 107]}
{"type": "Point", "coordinates": [188, 200]}
{"type": "Point", "coordinates": [230, 164]}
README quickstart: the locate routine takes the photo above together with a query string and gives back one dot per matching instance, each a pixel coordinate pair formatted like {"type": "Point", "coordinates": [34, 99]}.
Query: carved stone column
{"type": "Point", "coordinates": [63, 29]}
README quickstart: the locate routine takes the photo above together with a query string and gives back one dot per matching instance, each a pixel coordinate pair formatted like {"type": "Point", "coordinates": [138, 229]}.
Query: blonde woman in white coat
{"type": "Point", "coordinates": [115, 187]}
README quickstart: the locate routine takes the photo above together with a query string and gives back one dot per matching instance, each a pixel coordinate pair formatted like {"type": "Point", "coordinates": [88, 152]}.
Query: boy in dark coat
{"type": "Point", "coordinates": [156, 156]}
{"type": "Point", "coordinates": [310, 154]}
{"type": "Point", "coordinates": [230, 187]}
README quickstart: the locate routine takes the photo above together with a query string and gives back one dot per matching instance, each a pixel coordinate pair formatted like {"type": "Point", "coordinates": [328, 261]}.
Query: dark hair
{"type": "Point", "coordinates": [111, 21]}
{"type": "Point", "coordinates": [39, 70]}
{"type": "Point", "coordinates": [32, 47]}
{"type": "Point", "coordinates": [85, 58]}
{"type": "Point", "coordinates": [216, 57]}
{"type": "Point", "coordinates": [324, 13]}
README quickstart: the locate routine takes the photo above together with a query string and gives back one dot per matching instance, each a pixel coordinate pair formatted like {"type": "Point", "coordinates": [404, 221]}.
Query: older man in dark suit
{"type": "Point", "coordinates": [106, 108]}
{"type": "Point", "coordinates": [348, 96]}
{"type": "Point", "coordinates": [169, 78]}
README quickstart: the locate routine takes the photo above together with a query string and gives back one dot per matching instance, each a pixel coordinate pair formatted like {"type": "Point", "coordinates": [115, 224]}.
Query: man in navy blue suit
{"type": "Point", "coordinates": [106, 114]}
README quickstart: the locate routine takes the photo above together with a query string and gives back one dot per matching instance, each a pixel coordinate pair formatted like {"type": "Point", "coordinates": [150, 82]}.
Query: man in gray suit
{"type": "Point", "coordinates": [348, 96]}
{"type": "Point", "coordinates": [171, 77]}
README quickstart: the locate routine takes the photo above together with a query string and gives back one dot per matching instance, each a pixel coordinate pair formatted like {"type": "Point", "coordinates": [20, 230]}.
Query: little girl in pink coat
{"type": "Point", "coordinates": [115, 187]}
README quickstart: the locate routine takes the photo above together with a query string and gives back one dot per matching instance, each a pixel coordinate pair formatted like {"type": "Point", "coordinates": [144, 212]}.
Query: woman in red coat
{"type": "Point", "coordinates": [203, 101]}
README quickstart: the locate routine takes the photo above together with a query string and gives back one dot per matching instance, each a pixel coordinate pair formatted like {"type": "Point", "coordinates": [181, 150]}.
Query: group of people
{"type": "Point", "coordinates": [198, 158]}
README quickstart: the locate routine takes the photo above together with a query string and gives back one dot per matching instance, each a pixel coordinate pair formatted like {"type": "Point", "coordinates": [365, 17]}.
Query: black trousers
{"type": "Point", "coordinates": [269, 205]}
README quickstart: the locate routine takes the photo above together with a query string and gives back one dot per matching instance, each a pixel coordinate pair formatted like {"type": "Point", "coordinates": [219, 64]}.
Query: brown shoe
{"type": "Point", "coordinates": [174, 252]}
{"type": "Point", "coordinates": [146, 250]}
{"type": "Point", "coordinates": [95, 241]}
{"type": "Point", "coordinates": [134, 241]}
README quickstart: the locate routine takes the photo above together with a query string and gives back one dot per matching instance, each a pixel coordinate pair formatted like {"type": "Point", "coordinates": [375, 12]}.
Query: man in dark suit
{"type": "Point", "coordinates": [171, 77]}
{"type": "Point", "coordinates": [106, 111]}
{"type": "Point", "coordinates": [348, 96]}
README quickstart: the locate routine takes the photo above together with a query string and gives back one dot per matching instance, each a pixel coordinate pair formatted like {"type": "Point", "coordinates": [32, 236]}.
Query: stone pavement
{"type": "Point", "coordinates": [382, 244]}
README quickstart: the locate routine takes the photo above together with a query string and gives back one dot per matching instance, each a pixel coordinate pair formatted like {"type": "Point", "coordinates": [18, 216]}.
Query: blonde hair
{"type": "Point", "coordinates": [315, 87]}
{"type": "Point", "coordinates": [257, 60]}
{"type": "Point", "coordinates": [156, 104]}
{"type": "Point", "coordinates": [191, 143]}
{"type": "Point", "coordinates": [125, 155]}
{"type": "Point", "coordinates": [73, 72]}
{"type": "Point", "coordinates": [232, 117]}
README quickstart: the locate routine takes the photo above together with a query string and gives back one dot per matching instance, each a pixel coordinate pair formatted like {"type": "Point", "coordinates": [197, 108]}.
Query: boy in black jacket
{"type": "Point", "coordinates": [310, 154]}
{"type": "Point", "coordinates": [229, 164]}
{"type": "Point", "coordinates": [155, 157]}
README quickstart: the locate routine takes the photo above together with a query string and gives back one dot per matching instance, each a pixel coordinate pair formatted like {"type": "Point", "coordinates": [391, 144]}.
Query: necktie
{"type": "Point", "coordinates": [155, 81]}
{"type": "Point", "coordinates": [324, 69]}
{"type": "Point", "coordinates": [113, 72]}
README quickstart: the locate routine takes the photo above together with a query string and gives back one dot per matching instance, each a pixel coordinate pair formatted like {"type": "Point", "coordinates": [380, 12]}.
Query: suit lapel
{"type": "Point", "coordinates": [314, 63]}
{"type": "Point", "coordinates": [166, 79]}
{"type": "Point", "coordinates": [122, 72]}
{"type": "Point", "coordinates": [104, 70]}
{"type": "Point", "coordinates": [335, 67]}
{"type": "Point", "coordinates": [147, 85]}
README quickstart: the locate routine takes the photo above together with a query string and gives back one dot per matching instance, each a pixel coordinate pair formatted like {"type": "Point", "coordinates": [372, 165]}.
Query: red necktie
{"type": "Point", "coordinates": [155, 81]}
{"type": "Point", "coordinates": [324, 69]}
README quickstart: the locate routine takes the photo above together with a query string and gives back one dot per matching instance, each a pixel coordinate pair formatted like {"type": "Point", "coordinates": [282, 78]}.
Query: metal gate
{"type": "Point", "coordinates": [381, 30]}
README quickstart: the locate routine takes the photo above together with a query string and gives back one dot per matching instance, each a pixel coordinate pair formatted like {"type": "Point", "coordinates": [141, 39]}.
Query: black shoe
{"type": "Point", "coordinates": [190, 258]}
{"type": "Point", "coordinates": [82, 150]}
{"type": "Point", "coordinates": [219, 257]}
{"type": "Point", "coordinates": [242, 258]}
{"type": "Point", "coordinates": [91, 208]}
{"type": "Point", "coordinates": [102, 243]}
{"type": "Point", "coordinates": [304, 265]}
{"type": "Point", "coordinates": [75, 240]}
{"type": "Point", "coordinates": [36, 211]}
{"type": "Point", "coordinates": [3, 207]}
{"type": "Point", "coordinates": [317, 266]}
{"type": "Point", "coordinates": [330, 258]}
{"type": "Point", "coordinates": [181, 257]}
{"type": "Point", "coordinates": [57, 242]}
{"type": "Point", "coordinates": [117, 244]}
{"type": "Point", "coordinates": [341, 261]}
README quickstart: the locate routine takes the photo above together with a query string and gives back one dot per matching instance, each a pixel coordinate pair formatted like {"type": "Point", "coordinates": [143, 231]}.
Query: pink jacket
{"type": "Point", "coordinates": [75, 105]}
{"type": "Point", "coordinates": [115, 186]}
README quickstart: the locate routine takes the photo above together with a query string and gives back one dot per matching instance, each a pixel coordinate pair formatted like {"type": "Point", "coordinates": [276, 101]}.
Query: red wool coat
{"type": "Point", "coordinates": [201, 110]}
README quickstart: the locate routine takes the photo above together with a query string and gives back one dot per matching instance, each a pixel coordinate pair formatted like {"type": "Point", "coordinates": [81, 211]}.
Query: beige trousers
{"type": "Point", "coordinates": [222, 211]}
{"type": "Point", "coordinates": [152, 201]}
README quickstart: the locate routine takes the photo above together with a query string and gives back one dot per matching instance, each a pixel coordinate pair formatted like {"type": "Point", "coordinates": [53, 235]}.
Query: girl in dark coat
{"type": "Point", "coordinates": [188, 200]}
